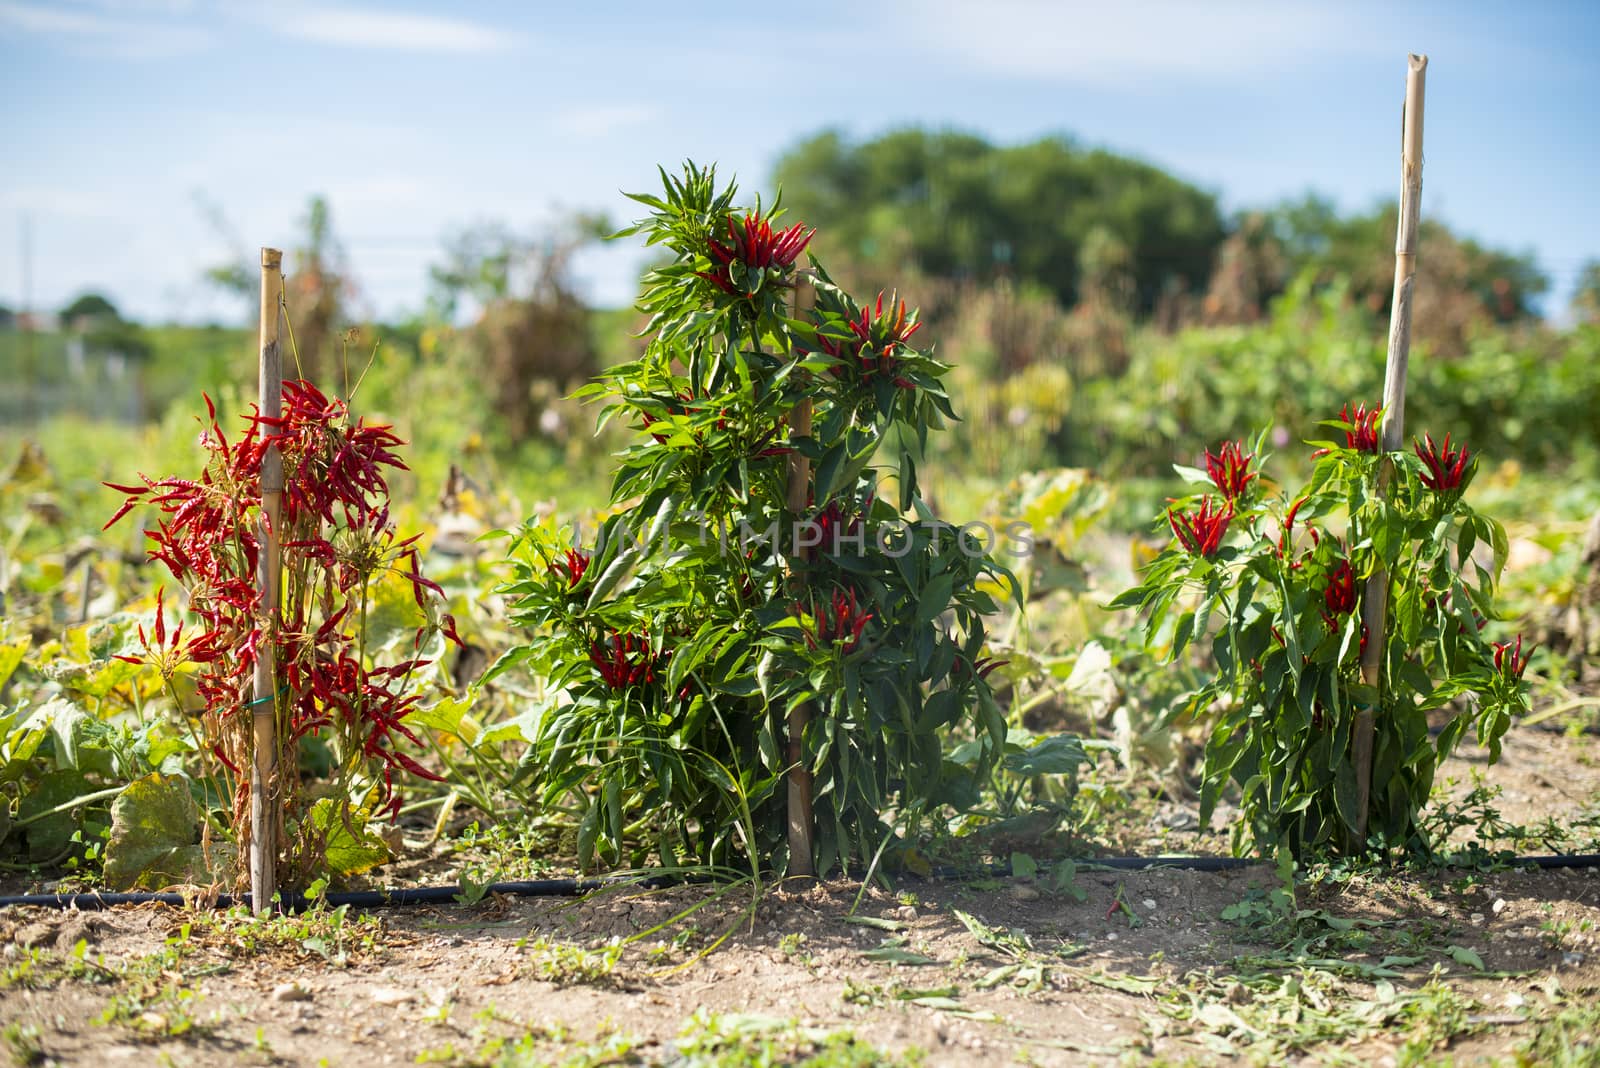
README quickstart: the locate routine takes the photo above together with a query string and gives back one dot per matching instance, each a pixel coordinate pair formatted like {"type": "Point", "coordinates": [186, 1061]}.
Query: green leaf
{"type": "Point", "coordinates": [446, 716]}
{"type": "Point", "coordinates": [1023, 866]}
{"type": "Point", "coordinates": [50, 836]}
{"type": "Point", "coordinates": [1465, 956]}
{"type": "Point", "coordinates": [351, 848]}
{"type": "Point", "coordinates": [1142, 985]}
{"type": "Point", "coordinates": [612, 575]}
{"type": "Point", "coordinates": [155, 835]}
{"type": "Point", "coordinates": [1344, 794]}
{"type": "Point", "coordinates": [12, 650]}
{"type": "Point", "coordinates": [893, 951]}
{"type": "Point", "coordinates": [935, 598]}
{"type": "Point", "coordinates": [1059, 754]}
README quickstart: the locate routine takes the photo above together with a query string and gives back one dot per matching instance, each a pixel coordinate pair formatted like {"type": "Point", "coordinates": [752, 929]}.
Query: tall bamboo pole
{"type": "Point", "coordinates": [1375, 603]}
{"type": "Point", "coordinates": [264, 791]}
{"type": "Point", "coordinates": [800, 818]}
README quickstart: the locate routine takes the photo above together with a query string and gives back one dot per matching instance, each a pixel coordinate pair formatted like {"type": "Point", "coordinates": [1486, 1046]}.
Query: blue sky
{"type": "Point", "coordinates": [123, 116]}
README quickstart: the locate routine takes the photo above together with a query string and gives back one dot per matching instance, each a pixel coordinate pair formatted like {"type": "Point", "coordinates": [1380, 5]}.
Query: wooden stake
{"type": "Point", "coordinates": [264, 792]}
{"type": "Point", "coordinates": [1375, 603]}
{"type": "Point", "coordinates": [801, 820]}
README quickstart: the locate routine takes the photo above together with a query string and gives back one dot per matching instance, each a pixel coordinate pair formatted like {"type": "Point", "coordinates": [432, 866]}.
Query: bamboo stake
{"type": "Point", "coordinates": [801, 819]}
{"type": "Point", "coordinates": [264, 791]}
{"type": "Point", "coordinates": [1375, 603]}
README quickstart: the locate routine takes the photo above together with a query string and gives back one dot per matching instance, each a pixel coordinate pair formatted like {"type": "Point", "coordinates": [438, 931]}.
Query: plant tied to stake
{"type": "Point", "coordinates": [1275, 596]}
{"type": "Point", "coordinates": [340, 556]}
{"type": "Point", "coordinates": [704, 607]}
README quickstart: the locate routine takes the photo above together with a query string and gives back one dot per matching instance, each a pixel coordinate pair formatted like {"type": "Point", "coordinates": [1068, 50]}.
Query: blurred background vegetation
{"type": "Point", "coordinates": [1104, 320]}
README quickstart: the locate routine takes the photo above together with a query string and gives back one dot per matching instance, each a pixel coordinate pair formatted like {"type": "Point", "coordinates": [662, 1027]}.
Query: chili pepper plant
{"type": "Point", "coordinates": [1267, 584]}
{"type": "Point", "coordinates": [676, 637]}
{"type": "Point", "coordinates": [337, 544]}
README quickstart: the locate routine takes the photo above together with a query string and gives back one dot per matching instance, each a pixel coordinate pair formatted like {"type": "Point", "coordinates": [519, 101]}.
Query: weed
{"type": "Point", "coordinates": [23, 1043]}
{"type": "Point", "coordinates": [154, 1008]}
{"type": "Point", "coordinates": [334, 936]}
{"type": "Point", "coordinates": [792, 946]}
{"type": "Point", "coordinates": [1568, 1039]}
{"type": "Point", "coordinates": [710, 1040]}
{"type": "Point", "coordinates": [563, 963]}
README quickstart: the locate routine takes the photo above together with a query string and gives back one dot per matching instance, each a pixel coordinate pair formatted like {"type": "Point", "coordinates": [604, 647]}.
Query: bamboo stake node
{"type": "Point", "coordinates": [1375, 600]}
{"type": "Point", "coordinates": [265, 795]}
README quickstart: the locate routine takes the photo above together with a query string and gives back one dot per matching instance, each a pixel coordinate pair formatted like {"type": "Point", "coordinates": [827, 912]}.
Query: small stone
{"type": "Point", "coordinates": [906, 912]}
{"type": "Point", "coordinates": [290, 992]}
{"type": "Point", "coordinates": [1025, 893]}
{"type": "Point", "coordinates": [1499, 906]}
{"type": "Point", "coordinates": [34, 935]}
{"type": "Point", "coordinates": [388, 995]}
{"type": "Point", "coordinates": [1149, 903]}
{"type": "Point", "coordinates": [1572, 959]}
{"type": "Point", "coordinates": [1477, 918]}
{"type": "Point", "coordinates": [1112, 937]}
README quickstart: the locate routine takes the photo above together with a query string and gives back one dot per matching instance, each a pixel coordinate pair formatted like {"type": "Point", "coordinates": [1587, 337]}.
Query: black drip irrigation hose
{"type": "Point", "coordinates": [447, 895]}
{"type": "Point", "coordinates": [360, 899]}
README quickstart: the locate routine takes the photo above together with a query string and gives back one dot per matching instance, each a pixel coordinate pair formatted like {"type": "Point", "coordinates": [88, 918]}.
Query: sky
{"type": "Point", "coordinates": [142, 141]}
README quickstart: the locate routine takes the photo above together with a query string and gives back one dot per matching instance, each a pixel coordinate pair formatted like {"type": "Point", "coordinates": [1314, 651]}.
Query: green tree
{"type": "Point", "coordinates": [1586, 296]}
{"type": "Point", "coordinates": [958, 207]}
{"type": "Point", "coordinates": [89, 306]}
{"type": "Point", "coordinates": [1461, 284]}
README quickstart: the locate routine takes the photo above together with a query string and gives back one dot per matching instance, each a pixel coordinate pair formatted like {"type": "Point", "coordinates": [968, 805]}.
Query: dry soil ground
{"type": "Point", "coordinates": [1109, 967]}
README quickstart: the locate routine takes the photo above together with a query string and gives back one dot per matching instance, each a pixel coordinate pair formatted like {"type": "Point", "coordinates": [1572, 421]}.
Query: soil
{"type": "Point", "coordinates": [1101, 979]}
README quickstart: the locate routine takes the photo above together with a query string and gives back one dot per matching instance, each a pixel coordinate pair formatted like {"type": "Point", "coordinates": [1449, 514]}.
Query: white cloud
{"type": "Point", "coordinates": [97, 33]}
{"type": "Point", "coordinates": [599, 120]}
{"type": "Point", "coordinates": [1120, 45]}
{"type": "Point", "coordinates": [359, 28]}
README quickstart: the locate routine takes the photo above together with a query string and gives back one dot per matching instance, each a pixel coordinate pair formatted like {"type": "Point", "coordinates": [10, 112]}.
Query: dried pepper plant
{"type": "Point", "coordinates": [337, 543]}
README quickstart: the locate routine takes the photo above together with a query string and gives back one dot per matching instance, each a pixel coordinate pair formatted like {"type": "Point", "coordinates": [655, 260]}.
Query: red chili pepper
{"type": "Point", "coordinates": [1445, 467]}
{"type": "Point", "coordinates": [1230, 469]}
{"type": "Point", "coordinates": [1339, 596]}
{"type": "Point", "coordinates": [1511, 666]}
{"type": "Point", "coordinates": [1201, 532]}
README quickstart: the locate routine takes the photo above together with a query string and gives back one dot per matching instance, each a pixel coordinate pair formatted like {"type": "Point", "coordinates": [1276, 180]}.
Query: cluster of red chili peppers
{"type": "Point", "coordinates": [1202, 530]}
{"type": "Point", "coordinates": [877, 335]}
{"type": "Point", "coordinates": [839, 620]}
{"type": "Point", "coordinates": [335, 537]}
{"type": "Point", "coordinates": [1339, 596]}
{"type": "Point", "coordinates": [1509, 659]}
{"type": "Point", "coordinates": [754, 243]}
{"type": "Point", "coordinates": [1363, 433]}
{"type": "Point", "coordinates": [623, 660]}
{"type": "Point", "coordinates": [1229, 470]}
{"type": "Point", "coordinates": [1446, 466]}
{"type": "Point", "coordinates": [833, 526]}
{"type": "Point", "coordinates": [571, 568]}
